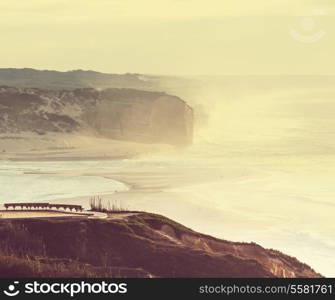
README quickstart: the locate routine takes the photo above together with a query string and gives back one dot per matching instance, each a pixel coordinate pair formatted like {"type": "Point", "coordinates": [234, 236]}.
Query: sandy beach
{"type": "Point", "coordinates": [231, 200]}
{"type": "Point", "coordinates": [268, 179]}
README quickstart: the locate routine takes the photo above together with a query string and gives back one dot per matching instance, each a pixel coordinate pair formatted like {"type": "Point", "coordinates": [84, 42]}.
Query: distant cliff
{"type": "Point", "coordinates": [125, 114]}
{"type": "Point", "coordinates": [55, 80]}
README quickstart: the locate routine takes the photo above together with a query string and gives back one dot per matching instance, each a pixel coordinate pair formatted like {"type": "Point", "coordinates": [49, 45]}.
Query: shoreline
{"type": "Point", "coordinates": [65, 159]}
{"type": "Point", "coordinates": [196, 196]}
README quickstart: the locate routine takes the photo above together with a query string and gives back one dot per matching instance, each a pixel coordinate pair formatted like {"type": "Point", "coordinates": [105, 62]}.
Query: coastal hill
{"type": "Point", "coordinates": [118, 114]}
{"type": "Point", "coordinates": [131, 245]}
{"type": "Point", "coordinates": [55, 80]}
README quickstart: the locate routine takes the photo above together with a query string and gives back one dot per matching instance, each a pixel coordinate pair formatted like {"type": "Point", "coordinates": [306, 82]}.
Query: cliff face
{"type": "Point", "coordinates": [142, 116]}
{"type": "Point", "coordinates": [126, 114]}
{"type": "Point", "coordinates": [132, 244]}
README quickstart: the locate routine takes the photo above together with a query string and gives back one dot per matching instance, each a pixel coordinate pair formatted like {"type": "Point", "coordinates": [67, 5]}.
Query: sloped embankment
{"type": "Point", "coordinates": [139, 245]}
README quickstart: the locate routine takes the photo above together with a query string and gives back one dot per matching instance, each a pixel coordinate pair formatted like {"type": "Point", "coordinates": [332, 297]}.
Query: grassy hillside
{"type": "Point", "coordinates": [136, 245]}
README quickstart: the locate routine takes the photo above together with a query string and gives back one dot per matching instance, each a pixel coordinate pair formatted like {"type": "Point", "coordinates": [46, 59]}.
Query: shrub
{"type": "Point", "coordinates": [111, 206]}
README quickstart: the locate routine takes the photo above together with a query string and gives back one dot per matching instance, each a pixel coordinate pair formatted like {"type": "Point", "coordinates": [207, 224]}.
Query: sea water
{"type": "Point", "coordinates": [262, 169]}
{"type": "Point", "coordinates": [40, 182]}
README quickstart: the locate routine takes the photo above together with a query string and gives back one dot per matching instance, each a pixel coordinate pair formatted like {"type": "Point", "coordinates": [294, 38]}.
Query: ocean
{"type": "Point", "coordinates": [261, 169]}
{"type": "Point", "coordinates": [35, 182]}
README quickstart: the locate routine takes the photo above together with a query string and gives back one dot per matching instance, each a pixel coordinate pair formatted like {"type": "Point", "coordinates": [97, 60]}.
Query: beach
{"type": "Point", "coordinates": [250, 201]}
{"type": "Point", "coordinates": [260, 170]}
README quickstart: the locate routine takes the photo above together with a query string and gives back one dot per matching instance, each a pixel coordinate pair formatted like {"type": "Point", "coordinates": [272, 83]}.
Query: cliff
{"type": "Point", "coordinates": [125, 114]}
{"type": "Point", "coordinates": [132, 245]}
{"type": "Point", "coordinates": [76, 79]}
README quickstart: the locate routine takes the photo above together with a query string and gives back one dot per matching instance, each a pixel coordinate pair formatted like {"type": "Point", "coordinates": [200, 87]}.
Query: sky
{"type": "Point", "coordinates": [172, 37]}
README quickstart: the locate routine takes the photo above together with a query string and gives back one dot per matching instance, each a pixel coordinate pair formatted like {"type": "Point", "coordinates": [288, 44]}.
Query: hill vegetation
{"type": "Point", "coordinates": [132, 245]}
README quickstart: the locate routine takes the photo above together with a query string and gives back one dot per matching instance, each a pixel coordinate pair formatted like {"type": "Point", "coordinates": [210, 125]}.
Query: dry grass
{"type": "Point", "coordinates": [110, 206]}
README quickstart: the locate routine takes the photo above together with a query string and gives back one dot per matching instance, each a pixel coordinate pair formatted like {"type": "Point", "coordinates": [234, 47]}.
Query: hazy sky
{"type": "Point", "coordinates": [184, 37]}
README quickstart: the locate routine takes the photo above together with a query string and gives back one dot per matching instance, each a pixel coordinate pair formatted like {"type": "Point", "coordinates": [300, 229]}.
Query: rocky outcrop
{"type": "Point", "coordinates": [140, 244]}
{"type": "Point", "coordinates": [126, 114]}
{"type": "Point", "coordinates": [54, 80]}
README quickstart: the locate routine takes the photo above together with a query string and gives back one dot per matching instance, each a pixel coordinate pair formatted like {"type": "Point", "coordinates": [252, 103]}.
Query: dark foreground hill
{"type": "Point", "coordinates": [132, 245]}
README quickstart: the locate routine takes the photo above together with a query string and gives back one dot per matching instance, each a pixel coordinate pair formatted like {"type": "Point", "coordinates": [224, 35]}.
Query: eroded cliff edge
{"type": "Point", "coordinates": [124, 114]}
{"type": "Point", "coordinates": [132, 245]}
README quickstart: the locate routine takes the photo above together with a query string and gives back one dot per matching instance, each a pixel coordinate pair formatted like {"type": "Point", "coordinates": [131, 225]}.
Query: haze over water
{"type": "Point", "coordinates": [261, 169]}
{"type": "Point", "coordinates": [277, 136]}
